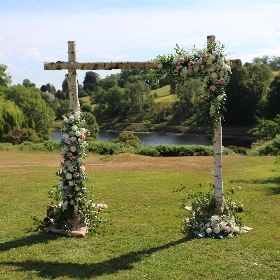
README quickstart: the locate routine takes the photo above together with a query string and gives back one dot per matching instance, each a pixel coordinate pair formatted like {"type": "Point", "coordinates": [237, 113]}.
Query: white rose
{"type": "Point", "coordinates": [73, 139]}
{"type": "Point", "coordinates": [71, 168]}
{"type": "Point", "coordinates": [68, 176]}
{"type": "Point", "coordinates": [77, 189]}
{"type": "Point", "coordinates": [65, 135]}
{"type": "Point", "coordinates": [220, 97]}
{"type": "Point", "coordinates": [71, 183]}
{"type": "Point", "coordinates": [209, 230]}
{"type": "Point", "coordinates": [73, 149]}
{"type": "Point", "coordinates": [77, 115]}
{"type": "Point", "coordinates": [74, 127]}
{"type": "Point", "coordinates": [77, 133]}
{"type": "Point", "coordinates": [236, 229]}
{"type": "Point", "coordinates": [216, 230]}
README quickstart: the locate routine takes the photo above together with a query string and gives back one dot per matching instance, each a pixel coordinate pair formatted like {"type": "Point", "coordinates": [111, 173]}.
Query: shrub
{"type": "Point", "coordinates": [104, 148]}
{"type": "Point", "coordinates": [86, 108]}
{"type": "Point", "coordinates": [128, 139]}
{"type": "Point", "coordinates": [19, 135]}
{"type": "Point", "coordinates": [266, 148]}
{"type": "Point", "coordinates": [148, 151]}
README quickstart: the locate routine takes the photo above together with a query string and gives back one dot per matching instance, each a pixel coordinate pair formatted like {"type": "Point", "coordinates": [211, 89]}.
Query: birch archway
{"type": "Point", "coordinates": [211, 64]}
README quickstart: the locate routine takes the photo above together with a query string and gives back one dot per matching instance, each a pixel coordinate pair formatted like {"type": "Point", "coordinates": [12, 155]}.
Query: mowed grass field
{"type": "Point", "coordinates": [142, 238]}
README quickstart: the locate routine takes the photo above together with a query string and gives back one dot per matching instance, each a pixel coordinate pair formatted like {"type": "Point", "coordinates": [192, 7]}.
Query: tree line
{"type": "Point", "coordinates": [28, 112]}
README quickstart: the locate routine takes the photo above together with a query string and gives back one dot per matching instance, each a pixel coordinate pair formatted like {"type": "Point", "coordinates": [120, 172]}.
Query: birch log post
{"type": "Point", "coordinates": [218, 166]}
{"type": "Point", "coordinates": [72, 79]}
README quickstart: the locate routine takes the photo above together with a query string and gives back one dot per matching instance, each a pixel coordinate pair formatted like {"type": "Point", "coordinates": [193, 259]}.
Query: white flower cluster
{"type": "Point", "coordinates": [217, 227]}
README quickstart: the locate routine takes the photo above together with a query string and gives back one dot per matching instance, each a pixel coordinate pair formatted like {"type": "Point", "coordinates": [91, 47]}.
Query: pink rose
{"type": "Point", "coordinates": [214, 53]}
{"type": "Point", "coordinates": [222, 81]}
{"type": "Point", "coordinates": [217, 81]}
{"type": "Point", "coordinates": [181, 60]}
{"type": "Point", "coordinates": [67, 163]}
{"type": "Point", "coordinates": [213, 88]}
{"type": "Point", "coordinates": [179, 67]}
{"type": "Point", "coordinates": [82, 168]}
{"type": "Point", "coordinates": [82, 136]}
{"type": "Point", "coordinates": [67, 140]}
{"type": "Point", "coordinates": [199, 62]}
{"type": "Point", "coordinates": [76, 175]}
{"type": "Point", "coordinates": [71, 117]}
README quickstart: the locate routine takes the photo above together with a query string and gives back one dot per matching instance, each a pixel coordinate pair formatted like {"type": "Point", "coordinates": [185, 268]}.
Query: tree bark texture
{"type": "Point", "coordinates": [72, 79]}
{"type": "Point", "coordinates": [60, 65]}
{"type": "Point", "coordinates": [218, 174]}
{"type": "Point", "coordinates": [218, 166]}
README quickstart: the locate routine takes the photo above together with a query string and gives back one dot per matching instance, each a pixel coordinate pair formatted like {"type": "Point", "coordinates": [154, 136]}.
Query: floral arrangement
{"type": "Point", "coordinates": [210, 64]}
{"type": "Point", "coordinates": [71, 192]}
{"type": "Point", "coordinates": [203, 222]}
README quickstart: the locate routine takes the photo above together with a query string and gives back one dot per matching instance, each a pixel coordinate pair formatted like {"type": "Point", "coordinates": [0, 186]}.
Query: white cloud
{"type": "Point", "coordinates": [247, 28]}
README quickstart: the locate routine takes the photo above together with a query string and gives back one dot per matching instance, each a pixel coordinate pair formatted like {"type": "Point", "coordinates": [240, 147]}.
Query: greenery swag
{"type": "Point", "coordinates": [210, 64]}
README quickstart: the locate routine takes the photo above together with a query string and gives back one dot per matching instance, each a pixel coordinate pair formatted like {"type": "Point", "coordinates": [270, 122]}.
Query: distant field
{"type": "Point", "coordinates": [164, 95]}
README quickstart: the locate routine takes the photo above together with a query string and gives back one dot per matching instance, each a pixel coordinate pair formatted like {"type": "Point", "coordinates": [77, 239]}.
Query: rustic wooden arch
{"type": "Point", "coordinates": [72, 65]}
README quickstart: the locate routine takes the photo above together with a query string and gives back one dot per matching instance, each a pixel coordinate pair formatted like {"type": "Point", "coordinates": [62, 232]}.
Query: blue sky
{"type": "Point", "coordinates": [35, 31]}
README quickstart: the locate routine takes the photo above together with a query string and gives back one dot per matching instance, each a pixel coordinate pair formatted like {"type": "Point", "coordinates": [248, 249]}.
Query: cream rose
{"type": "Point", "coordinates": [214, 75]}
{"type": "Point", "coordinates": [73, 149]}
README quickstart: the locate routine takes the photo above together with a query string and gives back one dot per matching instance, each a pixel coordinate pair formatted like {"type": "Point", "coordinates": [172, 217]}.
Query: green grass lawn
{"type": "Point", "coordinates": [142, 238]}
{"type": "Point", "coordinates": [163, 94]}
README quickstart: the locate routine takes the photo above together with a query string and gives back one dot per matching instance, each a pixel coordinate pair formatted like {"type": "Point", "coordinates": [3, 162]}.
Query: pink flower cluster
{"type": "Point", "coordinates": [220, 81]}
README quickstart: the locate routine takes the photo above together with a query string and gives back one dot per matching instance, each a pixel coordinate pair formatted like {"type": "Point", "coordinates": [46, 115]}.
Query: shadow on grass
{"type": "Point", "coordinates": [268, 182]}
{"type": "Point", "coordinates": [41, 237]}
{"type": "Point", "coordinates": [49, 269]}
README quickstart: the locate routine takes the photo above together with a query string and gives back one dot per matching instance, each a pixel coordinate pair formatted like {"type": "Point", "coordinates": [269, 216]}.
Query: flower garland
{"type": "Point", "coordinates": [71, 192]}
{"type": "Point", "coordinates": [73, 176]}
{"type": "Point", "coordinates": [210, 64]}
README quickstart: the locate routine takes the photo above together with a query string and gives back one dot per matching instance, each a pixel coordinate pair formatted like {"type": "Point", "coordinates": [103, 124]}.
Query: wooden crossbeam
{"type": "Point", "coordinates": [72, 66]}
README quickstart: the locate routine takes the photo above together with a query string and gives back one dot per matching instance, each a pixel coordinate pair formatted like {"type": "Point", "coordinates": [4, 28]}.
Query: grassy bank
{"type": "Point", "coordinates": [142, 239]}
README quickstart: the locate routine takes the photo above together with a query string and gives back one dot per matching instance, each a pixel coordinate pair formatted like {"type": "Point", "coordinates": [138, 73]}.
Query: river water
{"type": "Point", "coordinates": [154, 138]}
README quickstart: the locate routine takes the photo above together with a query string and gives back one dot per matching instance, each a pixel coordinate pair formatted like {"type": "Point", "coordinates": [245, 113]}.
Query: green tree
{"type": "Point", "coordinates": [38, 115]}
{"type": "Point", "coordinates": [65, 86]}
{"type": "Point", "coordinates": [11, 116]}
{"type": "Point", "coordinates": [241, 102]}
{"type": "Point", "coordinates": [5, 79]}
{"type": "Point", "coordinates": [273, 98]}
{"type": "Point", "coordinates": [49, 88]}
{"type": "Point", "coordinates": [136, 95]}
{"type": "Point", "coordinates": [60, 108]}
{"type": "Point", "coordinates": [189, 95]}
{"type": "Point", "coordinates": [260, 76]}
{"type": "Point", "coordinates": [91, 125]}
{"type": "Point", "coordinates": [27, 83]}
{"type": "Point", "coordinates": [115, 101]}
{"type": "Point", "coordinates": [109, 81]}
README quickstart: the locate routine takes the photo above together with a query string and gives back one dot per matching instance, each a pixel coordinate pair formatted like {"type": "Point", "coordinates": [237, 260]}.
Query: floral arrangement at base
{"type": "Point", "coordinates": [71, 209]}
{"type": "Point", "coordinates": [204, 222]}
